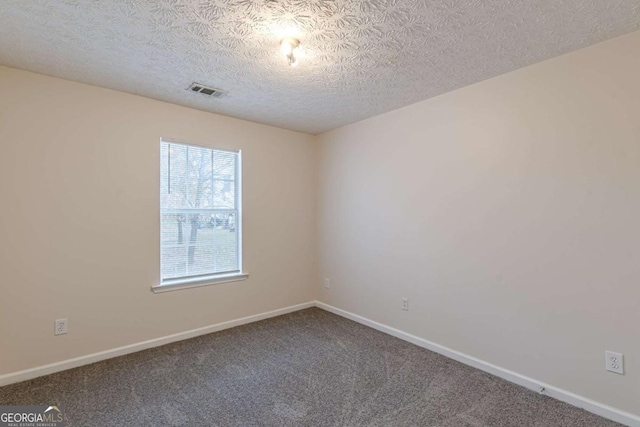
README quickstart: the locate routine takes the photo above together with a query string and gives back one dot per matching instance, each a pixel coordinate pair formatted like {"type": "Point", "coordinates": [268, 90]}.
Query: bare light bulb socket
{"type": "Point", "coordinates": [288, 47]}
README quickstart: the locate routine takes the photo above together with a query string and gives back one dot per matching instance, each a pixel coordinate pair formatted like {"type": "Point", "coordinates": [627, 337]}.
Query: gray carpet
{"type": "Point", "coordinates": [309, 368]}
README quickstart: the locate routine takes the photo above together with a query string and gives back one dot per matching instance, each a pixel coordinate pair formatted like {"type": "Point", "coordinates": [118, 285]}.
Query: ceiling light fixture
{"type": "Point", "coordinates": [289, 46]}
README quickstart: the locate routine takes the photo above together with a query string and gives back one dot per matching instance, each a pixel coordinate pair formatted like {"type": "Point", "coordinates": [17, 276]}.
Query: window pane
{"type": "Point", "coordinates": [224, 165]}
{"type": "Point", "coordinates": [199, 177]}
{"type": "Point", "coordinates": [172, 262]}
{"type": "Point", "coordinates": [226, 254]}
{"type": "Point", "coordinates": [199, 220]}
{"type": "Point", "coordinates": [224, 194]}
{"type": "Point", "coordinates": [173, 186]}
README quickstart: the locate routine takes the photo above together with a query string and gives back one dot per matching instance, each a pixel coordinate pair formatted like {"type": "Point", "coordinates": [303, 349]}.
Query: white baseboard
{"type": "Point", "coordinates": [39, 371]}
{"type": "Point", "coordinates": [592, 406]}
{"type": "Point", "coordinates": [597, 408]}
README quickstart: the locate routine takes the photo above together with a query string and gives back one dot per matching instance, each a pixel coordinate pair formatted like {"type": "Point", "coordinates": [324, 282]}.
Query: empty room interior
{"type": "Point", "coordinates": [320, 213]}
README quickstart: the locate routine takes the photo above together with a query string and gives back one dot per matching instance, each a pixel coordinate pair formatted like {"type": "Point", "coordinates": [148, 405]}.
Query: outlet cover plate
{"type": "Point", "coordinates": [61, 327]}
{"type": "Point", "coordinates": [614, 362]}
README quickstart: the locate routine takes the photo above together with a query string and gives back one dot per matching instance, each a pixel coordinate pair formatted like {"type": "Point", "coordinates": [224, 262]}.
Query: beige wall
{"type": "Point", "coordinates": [79, 192]}
{"type": "Point", "coordinates": [508, 212]}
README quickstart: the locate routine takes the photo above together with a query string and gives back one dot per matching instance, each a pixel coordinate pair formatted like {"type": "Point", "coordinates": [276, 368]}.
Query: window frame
{"type": "Point", "coordinates": [187, 282]}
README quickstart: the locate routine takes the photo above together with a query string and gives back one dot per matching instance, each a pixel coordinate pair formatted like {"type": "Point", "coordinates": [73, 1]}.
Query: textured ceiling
{"type": "Point", "coordinates": [363, 57]}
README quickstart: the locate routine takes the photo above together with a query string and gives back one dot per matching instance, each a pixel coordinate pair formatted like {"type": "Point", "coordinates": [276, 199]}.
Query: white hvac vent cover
{"type": "Point", "coordinates": [206, 90]}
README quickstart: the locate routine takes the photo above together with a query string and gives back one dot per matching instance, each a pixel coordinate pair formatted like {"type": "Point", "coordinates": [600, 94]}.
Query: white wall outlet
{"type": "Point", "coordinates": [327, 283]}
{"type": "Point", "coordinates": [61, 327]}
{"type": "Point", "coordinates": [614, 362]}
{"type": "Point", "coordinates": [405, 304]}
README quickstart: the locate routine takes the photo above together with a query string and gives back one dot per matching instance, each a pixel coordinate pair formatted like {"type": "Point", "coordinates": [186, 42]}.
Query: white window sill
{"type": "Point", "coordinates": [175, 285]}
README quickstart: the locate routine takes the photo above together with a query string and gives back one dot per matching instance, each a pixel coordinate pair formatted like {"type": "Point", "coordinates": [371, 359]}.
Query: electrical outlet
{"type": "Point", "coordinates": [614, 362]}
{"type": "Point", "coordinates": [405, 304]}
{"type": "Point", "coordinates": [61, 327]}
{"type": "Point", "coordinates": [327, 283]}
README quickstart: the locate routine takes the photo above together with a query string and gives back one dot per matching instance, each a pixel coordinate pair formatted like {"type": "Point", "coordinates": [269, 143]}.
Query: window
{"type": "Point", "coordinates": [200, 216]}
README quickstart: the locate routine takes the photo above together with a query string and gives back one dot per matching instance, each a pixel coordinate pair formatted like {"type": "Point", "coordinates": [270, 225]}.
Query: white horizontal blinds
{"type": "Point", "coordinates": [199, 211]}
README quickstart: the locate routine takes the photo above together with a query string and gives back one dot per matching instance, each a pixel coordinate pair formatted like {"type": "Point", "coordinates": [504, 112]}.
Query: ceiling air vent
{"type": "Point", "coordinates": [206, 90]}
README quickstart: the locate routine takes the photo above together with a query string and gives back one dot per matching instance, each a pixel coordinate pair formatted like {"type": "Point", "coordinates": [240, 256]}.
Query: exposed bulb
{"type": "Point", "coordinates": [288, 47]}
{"type": "Point", "coordinates": [285, 47]}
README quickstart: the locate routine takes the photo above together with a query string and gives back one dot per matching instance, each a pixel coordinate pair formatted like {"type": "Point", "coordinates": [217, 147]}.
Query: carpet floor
{"type": "Point", "coordinates": [308, 368]}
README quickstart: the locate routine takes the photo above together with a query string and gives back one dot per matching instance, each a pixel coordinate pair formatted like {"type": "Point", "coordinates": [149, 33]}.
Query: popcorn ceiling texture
{"type": "Point", "coordinates": [362, 58]}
